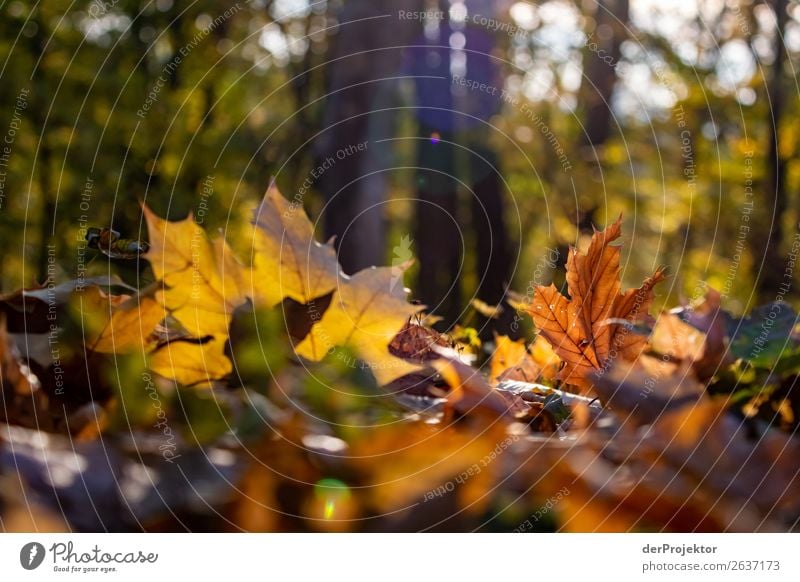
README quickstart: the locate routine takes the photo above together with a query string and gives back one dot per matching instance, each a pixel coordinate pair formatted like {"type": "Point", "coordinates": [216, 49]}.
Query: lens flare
{"type": "Point", "coordinates": [334, 497]}
{"type": "Point", "coordinates": [330, 508]}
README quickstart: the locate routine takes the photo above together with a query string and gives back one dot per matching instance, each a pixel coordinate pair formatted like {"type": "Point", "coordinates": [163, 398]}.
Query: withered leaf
{"type": "Point", "coordinates": [417, 342]}
{"type": "Point", "coordinates": [580, 328]}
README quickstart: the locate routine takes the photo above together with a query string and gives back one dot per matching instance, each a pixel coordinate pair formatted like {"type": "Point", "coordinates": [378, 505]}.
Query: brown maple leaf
{"type": "Point", "coordinates": [585, 329]}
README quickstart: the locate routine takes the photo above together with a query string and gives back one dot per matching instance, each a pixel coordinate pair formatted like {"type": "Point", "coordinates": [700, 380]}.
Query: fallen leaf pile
{"type": "Point", "coordinates": [269, 391]}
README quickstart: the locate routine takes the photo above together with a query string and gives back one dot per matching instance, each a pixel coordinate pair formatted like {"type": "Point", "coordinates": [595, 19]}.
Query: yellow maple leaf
{"type": "Point", "coordinates": [130, 327]}
{"type": "Point", "coordinates": [117, 323]}
{"type": "Point", "coordinates": [366, 312]}
{"type": "Point", "coordinates": [191, 363]}
{"type": "Point", "coordinates": [509, 355]}
{"type": "Point", "coordinates": [514, 360]}
{"type": "Point", "coordinates": [287, 261]}
{"type": "Point", "coordinates": [202, 282]}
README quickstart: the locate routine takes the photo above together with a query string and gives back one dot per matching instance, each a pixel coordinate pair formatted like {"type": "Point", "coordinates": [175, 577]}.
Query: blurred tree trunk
{"type": "Point", "coordinates": [599, 65]}
{"type": "Point", "coordinates": [44, 126]}
{"type": "Point", "coordinates": [491, 239]}
{"type": "Point", "coordinates": [601, 56]}
{"type": "Point", "coordinates": [439, 241]}
{"type": "Point", "coordinates": [47, 219]}
{"type": "Point", "coordinates": [362, 78]}
{"type": "Point", "coordinates": [447, 235]}
{"type": "Point", "coordinates": [775, 188]}
{"type": "Point", "coordinates": [438, 238]}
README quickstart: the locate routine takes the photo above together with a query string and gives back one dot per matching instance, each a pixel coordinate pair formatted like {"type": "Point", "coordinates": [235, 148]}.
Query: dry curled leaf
{"type": "Point", "coordinates": [582, 328]}
{"type": "Point", "coordinates": [417, 342]}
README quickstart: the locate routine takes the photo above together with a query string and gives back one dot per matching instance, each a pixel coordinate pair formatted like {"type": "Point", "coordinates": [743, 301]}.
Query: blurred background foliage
{"type": "Point", "coordinates": [661, 110]}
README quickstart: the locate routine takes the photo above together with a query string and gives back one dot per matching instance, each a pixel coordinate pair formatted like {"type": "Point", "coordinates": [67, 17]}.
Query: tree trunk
{"type": "Point", "coordinates": [44, 126]}
{"type": "Point", "coordinates": [439, 241]}
{"type": "Point", "coordinates": [599, 64]}
{"type": "Point", "coordinates": [362, 78]}
{"type": "Point", "coordinates": [601, 56]}
{"type": "Point", "coordinates": [492, 243]}
{"type": "Point", "coordinates": [775, 187]}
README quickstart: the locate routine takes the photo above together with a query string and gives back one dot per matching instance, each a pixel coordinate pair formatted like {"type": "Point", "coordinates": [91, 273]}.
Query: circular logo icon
{"type": "Point", "coordinates": [31, 555]}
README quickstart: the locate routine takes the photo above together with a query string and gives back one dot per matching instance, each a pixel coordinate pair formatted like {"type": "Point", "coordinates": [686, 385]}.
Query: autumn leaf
{"type": "Point", "coordinates": [512, 361]}
{"type": "Point", "coordinates": [287, 261]}
{"type": "Point", "coordinates": [191, 362]}
{"type": "Point", "coordinates": [470, 392]}
{"type": "Point", "coordinates": [581, 328]}
{"type": "Point", "coordinates": [406, 473]}
{"type": "Point", "coordinates": [543, 356]}
{"type": "Point", "coordinates": [417, 342]}
{"type": "Point", "coordinates": [173, 244]}
{"type": "Point", "coordinates": [648, 387]}
{"type": "Point", "coordinates": [698, 334]}
{"type": "Point", "coordinates": [674, 338]}
{"type": "Point", "coordinates": [131, 324]}
{"type": "Point", "coordinates": [694, 449]}
{"type": "Point", "coordinates": [488, 311]}
{"type": "Point", "coordinates": [202, 282]}
{"type": "Point", "coordinates": [366, 313]}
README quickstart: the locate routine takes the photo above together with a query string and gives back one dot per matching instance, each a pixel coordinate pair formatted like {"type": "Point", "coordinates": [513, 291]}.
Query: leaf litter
{"type": "Point", "coordinates": [277, 393]}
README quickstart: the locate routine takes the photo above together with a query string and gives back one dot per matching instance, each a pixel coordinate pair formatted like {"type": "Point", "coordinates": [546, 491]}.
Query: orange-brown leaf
{"type": "Point", "coordinates": [511, 360]}
{"type": "Point", "coordinates": [632, 306]}
{"type": "Point", "coordinates": [593, 284]}
{"type": "Point", "coordinates": [580, 328]}
{"type": "Point", "coordinates": [556, 318]}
